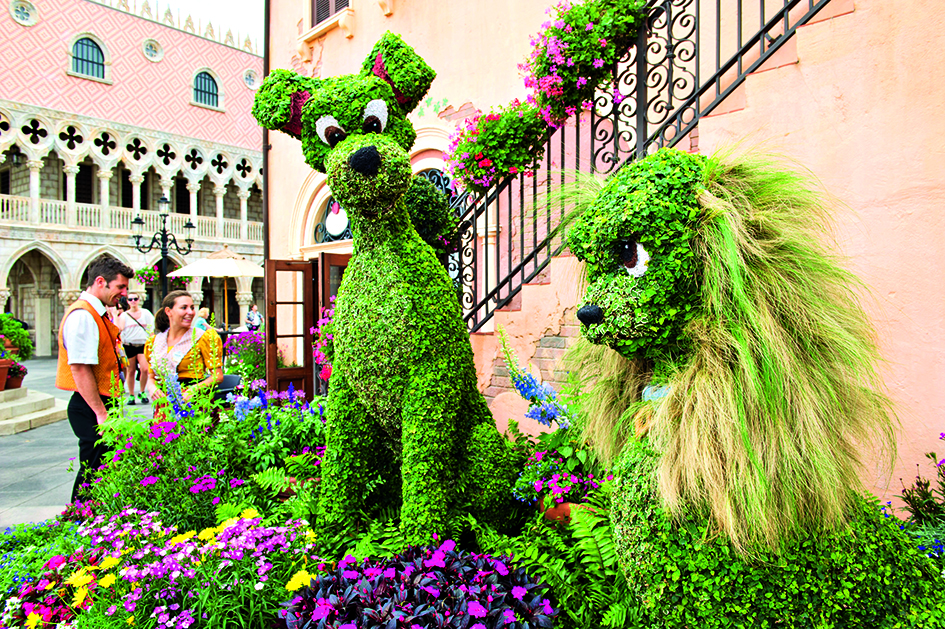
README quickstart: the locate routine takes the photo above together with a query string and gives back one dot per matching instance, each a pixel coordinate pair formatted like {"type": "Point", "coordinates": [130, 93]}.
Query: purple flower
{"type": "Point", "coordinates": [149, 480]}
{"type": "Point", "coordinates": [476, 610]}
{"type": "Point", "coordinates": [598, 63]}
{"type": "Point", "coordinates": [519, 592]}
{"type": "Point", "coordinates": [351, 574]}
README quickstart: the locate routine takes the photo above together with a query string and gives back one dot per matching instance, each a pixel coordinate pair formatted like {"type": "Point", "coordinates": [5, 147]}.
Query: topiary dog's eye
{"type": "Point", "coordinates": [375, 117]}
{"type": "Point", "coordinates": [334, 135]}
{"type": "Point", "coordinates": [633, 257]}
{"type": "Point", "coordinates": [329, 131]}
{"type": "Point", "coordinates": [372, 125]}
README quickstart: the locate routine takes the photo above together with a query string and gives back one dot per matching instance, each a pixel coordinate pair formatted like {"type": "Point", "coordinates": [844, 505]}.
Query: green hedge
{"type": "Point", "coordinates": [869, 574]}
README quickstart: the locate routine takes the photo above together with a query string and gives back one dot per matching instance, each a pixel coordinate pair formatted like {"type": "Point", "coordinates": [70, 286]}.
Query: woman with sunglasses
{"type": "Point", "coordinates": [137, 326]}
{"type": "Point", "coordinates": [196, 356]}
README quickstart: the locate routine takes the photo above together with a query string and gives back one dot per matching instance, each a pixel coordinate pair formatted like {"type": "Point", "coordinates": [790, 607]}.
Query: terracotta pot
{"type": "Point", "coordinates": [14, 383]}
{"type": "Point", "coordinates": [558, 512]}
{"type": "Point", "coordinates": [4, 368]}
{"type": "Point", "coordinates": [9, 347]}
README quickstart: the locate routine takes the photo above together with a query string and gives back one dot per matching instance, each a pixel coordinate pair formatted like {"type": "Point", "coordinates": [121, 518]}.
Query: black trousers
{"type": "Point", "coordinates": [85, 427]}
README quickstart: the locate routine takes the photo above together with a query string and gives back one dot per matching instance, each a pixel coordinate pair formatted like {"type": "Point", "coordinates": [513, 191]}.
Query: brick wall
{"type": "Point", "coordinates": [547, 359]}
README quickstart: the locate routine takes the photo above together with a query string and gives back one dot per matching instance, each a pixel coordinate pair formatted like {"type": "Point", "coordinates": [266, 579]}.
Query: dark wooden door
{"type": "Point", "coordinates": [290, 310]}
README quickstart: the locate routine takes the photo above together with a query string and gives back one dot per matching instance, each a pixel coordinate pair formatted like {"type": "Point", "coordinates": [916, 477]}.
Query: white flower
{"type": "Point", "coordinates": [259, 586]}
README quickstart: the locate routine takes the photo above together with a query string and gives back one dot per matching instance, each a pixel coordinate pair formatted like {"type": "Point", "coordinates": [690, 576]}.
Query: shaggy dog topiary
{"type": "Point", "coordinates": [728, 371]}
{"type": "Point", "coordinates": [406, 422]}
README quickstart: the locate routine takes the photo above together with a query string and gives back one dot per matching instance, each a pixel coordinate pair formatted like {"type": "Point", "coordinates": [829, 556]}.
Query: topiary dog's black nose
{"type": "Point", "coordinates": [590, 315]}
{"type": "Point", "coordinates": [366, 161]}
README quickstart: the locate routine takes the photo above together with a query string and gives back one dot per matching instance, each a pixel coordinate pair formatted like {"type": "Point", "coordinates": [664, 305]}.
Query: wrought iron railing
{"type": "Point", "coordinates": [697, 52]}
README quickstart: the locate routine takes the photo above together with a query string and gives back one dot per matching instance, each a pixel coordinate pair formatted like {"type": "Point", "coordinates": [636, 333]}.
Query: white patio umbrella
{"type": "Point", "coordinates": [224, 263]}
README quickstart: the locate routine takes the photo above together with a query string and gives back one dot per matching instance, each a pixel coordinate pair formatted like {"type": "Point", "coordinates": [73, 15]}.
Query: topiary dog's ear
{"type": "Point", "coordinates": [398, 64]}
{"type": "Point", "coordinates": [279, 100]}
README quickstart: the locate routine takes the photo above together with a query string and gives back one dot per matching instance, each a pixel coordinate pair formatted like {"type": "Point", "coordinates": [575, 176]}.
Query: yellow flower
{"type": "Point", "coordinates": [32, 620]}
{"type": "Point", "coordinates": [299, 579]}
{"type": "Point", "coordinates": [310, 535]}
{"type": "Point", "coordinates": [227, 524]}
{"type": "Point", "coordinates": [249, 514]}
{"type": "Point", "coordinates": [183, 537]}
{"type": "Point", "coordinates": [207, 534]}
{"type": "Point", "coordinates": [50, 585]}
{"type": "Point", "coordinates": [109, 562]}
{"type": "Point", "coordinates": [80, 579]}
{"type": "Point", "coordinates": [131, 620]}
{"type": "Point", "coordinates": [80, 595]}
{"type": "Point", "coordinates": [106, 581]}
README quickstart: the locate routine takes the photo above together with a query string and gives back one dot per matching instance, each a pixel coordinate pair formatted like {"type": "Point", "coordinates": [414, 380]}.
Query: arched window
{"type": "Point", "coordinates": [88, 59]}
{"type": "Point", "coordinates": [206, 91]}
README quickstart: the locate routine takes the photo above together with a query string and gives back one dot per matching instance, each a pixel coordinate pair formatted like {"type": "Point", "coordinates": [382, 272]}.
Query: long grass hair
{"type": "Point", "coordinates": [764, 424]}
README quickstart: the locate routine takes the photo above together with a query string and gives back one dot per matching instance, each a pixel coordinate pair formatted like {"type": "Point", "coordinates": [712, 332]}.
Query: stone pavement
{"type": "Point", "coordinates": [35, 481]}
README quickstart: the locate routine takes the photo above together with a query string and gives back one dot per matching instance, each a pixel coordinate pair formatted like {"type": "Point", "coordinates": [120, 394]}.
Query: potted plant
{"type": "Point", "coordinates": [15, 374]}
{"type": "Point", "coordinates": [5, 363]}
{"type": "Point", "coordinates": [17, 339]}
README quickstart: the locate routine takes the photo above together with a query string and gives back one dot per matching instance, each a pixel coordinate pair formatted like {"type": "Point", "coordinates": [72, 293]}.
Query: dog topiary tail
{"type": "Point", "coordinates": [764, 423]}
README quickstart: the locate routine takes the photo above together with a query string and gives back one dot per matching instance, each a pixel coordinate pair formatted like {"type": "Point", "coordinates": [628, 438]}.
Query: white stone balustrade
{"type": "Point", "coordinates": [99, 218]}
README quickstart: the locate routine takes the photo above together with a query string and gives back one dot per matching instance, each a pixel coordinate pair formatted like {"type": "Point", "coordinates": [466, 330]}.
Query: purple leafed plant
{"type": "Point", "coordinates": [423, 588]}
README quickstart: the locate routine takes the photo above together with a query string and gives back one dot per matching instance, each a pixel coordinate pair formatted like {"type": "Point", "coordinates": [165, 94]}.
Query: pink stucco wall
{"type": "Point", "coordinates": [151, 95]}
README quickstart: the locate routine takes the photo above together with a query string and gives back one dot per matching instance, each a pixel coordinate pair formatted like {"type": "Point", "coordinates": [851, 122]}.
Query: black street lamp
{"type": "Point", "coordinates": [162, 238]}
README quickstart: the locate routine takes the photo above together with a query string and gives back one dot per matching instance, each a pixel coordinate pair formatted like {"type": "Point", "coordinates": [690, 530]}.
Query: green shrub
{"type": "Point", "coordinates": [868, 574]}
{"type": "Point", "coordinates": [14, 330]}
{"type": "Point", "coordinates": [578, 561]}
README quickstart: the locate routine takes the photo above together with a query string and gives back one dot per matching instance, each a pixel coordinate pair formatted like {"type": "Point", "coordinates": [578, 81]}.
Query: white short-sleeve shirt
{"type": "Point", "coordinates": [80, 332]}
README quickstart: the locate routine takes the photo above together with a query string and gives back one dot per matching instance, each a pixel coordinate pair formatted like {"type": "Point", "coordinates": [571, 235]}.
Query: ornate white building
{"type": "Point", "coordinates": [103, 110]}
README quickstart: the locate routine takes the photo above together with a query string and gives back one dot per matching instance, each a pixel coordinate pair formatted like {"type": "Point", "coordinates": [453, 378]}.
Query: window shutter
{"type": "Point", "coordinates": [322, 10]}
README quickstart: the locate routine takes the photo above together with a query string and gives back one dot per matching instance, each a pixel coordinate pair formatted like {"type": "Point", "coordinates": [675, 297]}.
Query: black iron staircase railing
{"type": "Point", "coordinates": [695, 53]}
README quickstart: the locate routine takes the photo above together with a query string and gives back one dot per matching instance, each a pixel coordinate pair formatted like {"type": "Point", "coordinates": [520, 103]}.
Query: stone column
{"type": "Point", "coordinates": [71, 172]}
{"type": "Point", "coordinates": [42, 305]}
{"type": "Point", "coordinates": [35, 165]}
{"type": "Point", "coordinates": [193, 287]}
{"type": "Point", "coordinates": [245, 300]}
{"type": "Point", "coordinates": [4, 298]}
{"type": "Point", "coordinates": [166, 184]}
{"type": "Point", "coordinates": [104, 181]}
{"type": "Point", "coordinates": [218, 192]}
{"type": "Point", "coordinates": [68, 296]}
{"type": "Point", "coordinates": [136, 181]}
{"type": "Point", "coordinates": [244, 214]}
{"type": "Point", "coordinates": [193, 187]}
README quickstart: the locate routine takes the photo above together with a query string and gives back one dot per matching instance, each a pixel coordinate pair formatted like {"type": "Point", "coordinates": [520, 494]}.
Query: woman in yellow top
{"type": "Point", "coordinates": [196, 356]}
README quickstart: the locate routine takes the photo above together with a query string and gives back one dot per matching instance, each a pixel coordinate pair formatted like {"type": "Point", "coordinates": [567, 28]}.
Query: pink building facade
{"type": "Point", "coordinates": [104, 109]}
{"type": "Point", "coordinates": [849, 93]}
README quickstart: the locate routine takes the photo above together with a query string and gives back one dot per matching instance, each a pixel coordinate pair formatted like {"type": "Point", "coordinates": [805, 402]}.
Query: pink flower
{"type": "Point", "coordinates": [589, 27]}
{"type": "Point", "coordinates": [476, 610]}
{"type": "Point", "coordinates": [149, 480]}
{"type": "Point", "coordinates": [519, 592]}
{"type": "Point", "coordinates": [513, 170]}
{"type": "Point", "coordinates": [602, 42]}
{"type": "Point", "coordinates": [598, 63]}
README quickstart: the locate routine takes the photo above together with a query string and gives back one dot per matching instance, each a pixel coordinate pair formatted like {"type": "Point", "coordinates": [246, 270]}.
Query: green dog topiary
{"type": "Point", "coordinates": [745, 394]}
{"type": "Point", "coordinates": [406, 419]}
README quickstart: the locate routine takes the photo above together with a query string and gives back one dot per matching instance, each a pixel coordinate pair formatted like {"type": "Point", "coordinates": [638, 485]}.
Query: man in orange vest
{"type": "Point", "coordinates": [91, 359]}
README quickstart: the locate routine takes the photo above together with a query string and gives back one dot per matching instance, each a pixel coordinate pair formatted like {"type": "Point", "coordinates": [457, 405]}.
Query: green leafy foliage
{"type": "Point", "coordinates": [13, 330]}
{"type": "Point", "coordinates": [295, 104]}
{"type": "Point", "coordinates": [487, 148]}
{"type": "Point", "coordinates": [651, 204]}
{"type": "Point", "coordinates": [576, 51]}
{"type": "Point", "coordinates": [867, 574]}
{"type": "Point", "coordinates": [404, 407]}
{"type": "Point", "coordinates": [578, 562]}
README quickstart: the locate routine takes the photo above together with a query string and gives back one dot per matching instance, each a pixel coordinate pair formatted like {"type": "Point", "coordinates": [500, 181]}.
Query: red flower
{"type": "Point", "coordinates": [478, 156]}
{"type": "Point", "coordinates": [485, 163]}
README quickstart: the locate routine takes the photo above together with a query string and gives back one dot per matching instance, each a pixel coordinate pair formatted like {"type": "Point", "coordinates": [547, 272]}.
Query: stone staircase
{"type": "Point", "coordinates": [22, 409]}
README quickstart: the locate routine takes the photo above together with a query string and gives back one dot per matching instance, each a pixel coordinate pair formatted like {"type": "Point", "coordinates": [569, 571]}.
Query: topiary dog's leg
{"type": "Point", "coordinates": [352, 444]}
{"type": "Point", "coordinates": [428, 433]}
